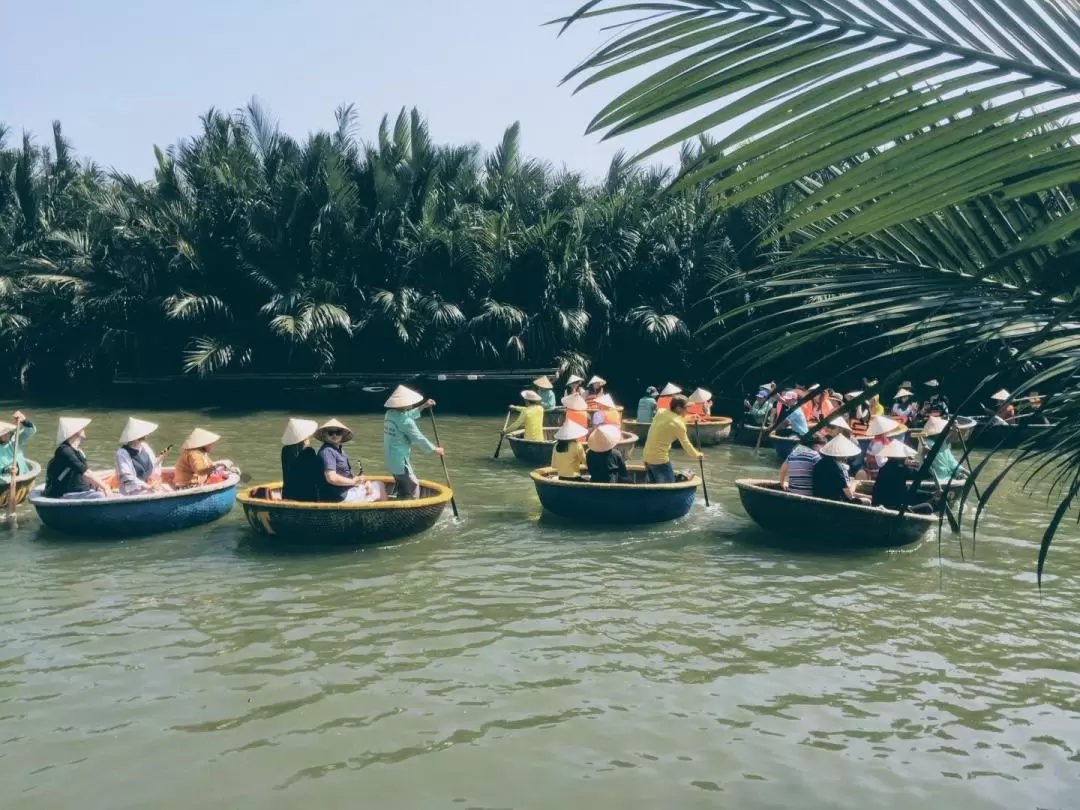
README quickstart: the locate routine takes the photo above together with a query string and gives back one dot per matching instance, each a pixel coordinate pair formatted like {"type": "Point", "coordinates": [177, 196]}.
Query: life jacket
{"type": "Point", "coordinates": [612, 417]}
{"type": "Point", "coordinates": [579, 418]}
{"type": "Point", "coordinates": [696, 410]}
{"type": "Point", "coordinates": [663, 404]}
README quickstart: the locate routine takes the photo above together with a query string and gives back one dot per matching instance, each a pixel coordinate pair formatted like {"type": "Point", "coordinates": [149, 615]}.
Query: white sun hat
{"type": "Point", "coordinates": [404, 398]}
{"type": "Point", "coordinates": [68, 427]}
{"type": "Point", "coordinates": [903, 392]}
{"type": "Point", "coordinates": [199, 438]}
{"type": "Point", "coordinates": [841, 447]}
{"type": "Point", "coordinates": [935, 426]}
{"type": "Point", "coordinates": [700, 396]}
{"type": "Point", "coordinates": [605, 401]}
{"type": "Point", "coordinates": [298, 430]}
{"type": "Point", "coordinates": [840, 422]}
{"type": "Point", "coordinates": [333, 424]}
{"type": "Point", "coordinates": [883, 426]}
{"type": "Point", "coordinates": [136, 429]}
{"type": "Point", "coordinates": [575, 402]}
{"type": "Point", "coordinates": [6, 428]}
{"type": "Point", "coordinates": [597, 380]}
{"type": "Point", "coordinates": [570, 432]}
{"type": "Point", "coordinates": [605, 438]}
{"type": "Point", "coordinates": [1001, 396]}
{"type": "Point", "coordinates": [897, 449]}
{"type": "Point", "coordinates": [670, 390]}
{"type": "Point", "coordinates": [530, 396]}
{"type": "Point", "coordinates": [543, 382]}
{"type": "Point", "coordinates": [852, 395]}
{"type": "Point", "coordinates": [574, 378]}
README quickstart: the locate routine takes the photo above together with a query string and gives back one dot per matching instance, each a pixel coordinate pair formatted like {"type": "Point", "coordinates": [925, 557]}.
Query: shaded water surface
{"type": "Point", "coordinates": [514, 661]}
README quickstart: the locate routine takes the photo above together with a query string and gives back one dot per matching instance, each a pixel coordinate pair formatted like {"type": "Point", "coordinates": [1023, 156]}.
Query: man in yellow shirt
{"type": "Point", "coordinates": [668, 426]}
{"type": "Point", "coordinates": [530, 416]}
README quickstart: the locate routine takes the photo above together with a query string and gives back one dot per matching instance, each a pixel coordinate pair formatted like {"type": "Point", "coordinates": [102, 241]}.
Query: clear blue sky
{"type": "Point", "coordinates": [123, 75]}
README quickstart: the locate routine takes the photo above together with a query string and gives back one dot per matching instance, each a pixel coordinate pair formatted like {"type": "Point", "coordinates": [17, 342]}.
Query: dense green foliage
{"type": "Point", "coordinates": [249, 250]}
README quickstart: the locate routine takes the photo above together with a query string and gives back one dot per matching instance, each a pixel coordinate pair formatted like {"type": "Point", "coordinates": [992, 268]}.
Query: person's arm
{"type": "Point", "coordinates": [684, 440]}
{"type": "Point", "coordinates": [517, 424]}
{"type": "Point", "coordinates": [416, 436]}
{"type": "Point", "coordinates": [77, 465]}
{"type": "Point", "coordinates": [332, 476]}
{"type": "Point", "coordinates": [784, 475]}
{"type": "Point", "coordinates": [125, 471]}
{"type": "Point", "coordinates": [27, 431]}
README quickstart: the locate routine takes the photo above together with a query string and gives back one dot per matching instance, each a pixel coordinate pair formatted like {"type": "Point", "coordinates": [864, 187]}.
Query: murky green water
{"type": "Point", "coordinates": [507, 662]}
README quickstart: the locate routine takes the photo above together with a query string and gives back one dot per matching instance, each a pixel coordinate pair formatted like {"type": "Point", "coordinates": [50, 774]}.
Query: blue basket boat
{"type": "Point", "coordinates": [633, 503]}
{"type": "Point", "coordinates": [137, 515]}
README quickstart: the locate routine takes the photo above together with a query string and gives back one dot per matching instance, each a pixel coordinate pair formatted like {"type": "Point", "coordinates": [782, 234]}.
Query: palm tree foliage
{"type": "Point", "coordinates": [249, 249]}
{"type": "Point", "coordinates": [928, 144]}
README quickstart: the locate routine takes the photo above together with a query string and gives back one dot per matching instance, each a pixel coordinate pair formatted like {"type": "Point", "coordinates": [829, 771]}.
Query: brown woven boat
{"type": "Point", "coordinates": [342, 524]}
{"type": "Point", "coordinates": [747, 436]}
{"type": "Point", "coordinates": [538, 454]}
{"type": "Point", "coordinates": [23, 484]}
{"type": "Point", "coordinates": [639, 429]}
{"type": "Point", "coordinates": [823, 524]}
{"type": "Point", "coordinates": [709, 431]}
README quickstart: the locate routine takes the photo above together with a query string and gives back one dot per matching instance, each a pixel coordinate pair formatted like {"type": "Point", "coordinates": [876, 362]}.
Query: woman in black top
{"type": "Point", "coordinates": [891, 485]}
{"type": "Point", "coordinates": [68, 475]}
{"type": "Point", "coordinates": [830, 479]}
{"type": "Point", "coordinates": [301, 469]}
{"type": "Point", "coordinates": [606, 465]}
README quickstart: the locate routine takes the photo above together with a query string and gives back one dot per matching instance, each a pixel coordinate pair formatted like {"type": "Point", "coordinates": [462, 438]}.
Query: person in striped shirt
{"type": "Point", "coordinates": [797, 473]}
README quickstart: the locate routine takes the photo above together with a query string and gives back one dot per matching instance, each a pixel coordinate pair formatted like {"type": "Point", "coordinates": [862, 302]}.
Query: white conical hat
{"type": "Point", "coordinates": [136, 429]}
{"type": "Point", "coordinates": [931, 383]}
{"type": "Point", "coordinates": [199, 438]}
{"type": "Point", "coordinates": [6, 428]}
{"type": "Point", "coordinates": [570, 432]}
{"type": "Point", "coordinates": [670, 390]}
{"type": "Point", "coordinates": [935, 426]}
{"type": "Point", "coordinates": [881, 426]}
{"type": "Point", "coordinates": [1001, 395]}
{"type": "Point", "coordinates": [597, 380]}
{"type": "Point", "coordinates": [853, 395]}
{"type": "Point", "coordinates": [403, 398]}
{"type": "Point", "coordinates": [298, 430]}
{"type": "Point", "coordinates": [543, 382]}
{"type": "Point", "coordinates": [605, 438]}
{"type": "Point", "coordinates": [605, 401]}
{"type": "Point", "coordinates": [903, 392]}
{"type": "Point", "coordinates": [840, 422]}
{"type": "Point", "coordinates": [700, 396]}
{"type": "Point", "coordinates": [575, 402]}
{"type": "Point", "coordinates": [841, 447]}
{"type": "Point", "coordinates": [333, 424]}
{"type": "Point", "coordinates": [574, 378]}
{"type": "Point", "coordinates": [897, 449]}
{"type": "Point", "coordinates": [530, 396]}
{"type": "Point", "coordinates": [69, 426]}
{"type": "Point", "coordinates": [814, 387]}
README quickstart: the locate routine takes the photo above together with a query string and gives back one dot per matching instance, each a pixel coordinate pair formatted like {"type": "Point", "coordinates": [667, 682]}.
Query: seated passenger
{"type": "Point", "coordinates": [530, 416]}
{"type": "Point", "coordinates": [68, 475]}
{"type": "Point", "coordinates": [606, 464]}
{"type": "Point", "coordinates": [830, 476]}
{"type": "Point", "coordinates": [568, 457]}
{"type": "Point", "coordinates": [607, 412]}
{"type": "Point", "coordinates": [891, 488]}
{"type": "Point", "coordinates": [194, 467]}
{"type": "Point", "coordinates": [797, 472]}
{"type": "Point", "coordinates": [338, 484]}
{"type": "Point", "coordinates": [301, 469]}
{"type": "Point", "coordinates": [546, 391]}
{"type": "Point", "coordinates": [700, 405]}
{"type": "Point", "coordinates": [138, 470]}
{"type": "Point", "coordinates": [945, 466]}
{"type": "Point", "coordinates": [646, 407]}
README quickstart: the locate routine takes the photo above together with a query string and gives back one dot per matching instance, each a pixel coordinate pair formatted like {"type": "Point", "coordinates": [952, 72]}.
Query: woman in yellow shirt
{"type": "Point", "coordinates": [530, 416]}
{"type": "Point", "coordinates": [568, 457]}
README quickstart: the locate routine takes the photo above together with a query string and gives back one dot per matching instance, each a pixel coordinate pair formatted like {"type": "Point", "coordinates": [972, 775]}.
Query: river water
{"type": "Point", "coordinates": [511, 661]}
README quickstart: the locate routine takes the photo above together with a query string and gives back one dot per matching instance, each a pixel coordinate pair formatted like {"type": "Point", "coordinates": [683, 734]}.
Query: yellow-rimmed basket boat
{"type": "Point", "coordinates": [342, 524]}
{"type": "Point", "coordinates": [23, 484]}
{"type": "Point", "coordinates": [632, 503]}
{"type": "Point", "coordinates": [538, 454]}
{"type": "Point", "coordinates": [821, 524]}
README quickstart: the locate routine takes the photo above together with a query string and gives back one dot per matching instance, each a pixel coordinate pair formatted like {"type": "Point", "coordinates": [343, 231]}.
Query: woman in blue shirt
{"type": "Point", "coordinates": [401, 434]}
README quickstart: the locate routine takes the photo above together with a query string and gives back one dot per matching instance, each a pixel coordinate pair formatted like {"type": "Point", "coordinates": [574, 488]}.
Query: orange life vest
{"type": "Point", "coordinates": [663, 404]}
{"type": "Point", "coordinates": [578, 418]}
{"type": "Point", "coordinates": [696, 410]}
{"type": "Point", "coordinates": [612, 417]}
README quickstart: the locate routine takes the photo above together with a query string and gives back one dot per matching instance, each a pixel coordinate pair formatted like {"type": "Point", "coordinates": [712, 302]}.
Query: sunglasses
{"type": "Point", "coordinates": [335, 432]}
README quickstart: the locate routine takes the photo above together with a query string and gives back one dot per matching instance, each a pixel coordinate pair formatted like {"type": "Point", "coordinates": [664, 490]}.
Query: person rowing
{"type": "Point", "coordinates": [668, 427]}
{"type": "Point", "coordinates": [11, 452]}
{"type": "Point", "coordinates": [529, 416]}
{"type": "Point", "coordinates": [401, 434]}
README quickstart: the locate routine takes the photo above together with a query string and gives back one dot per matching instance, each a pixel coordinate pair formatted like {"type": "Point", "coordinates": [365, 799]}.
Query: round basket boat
{"type": "Point", "coordinates": [709, 431]}
{"type": "Point", "coordinates": [137, 515]}
{"type": "Point", "coordinates": [342, 524]}
{"type": "Point", "coordinates": [538, 454]}
{"type": "Point", "coordinates": [23, 484]}
{"type": "Point", "coordinates": [633, 503]}
{"type": "Point", "coordinates": [639, 429]}
{"type": "Point", "coordinates": [962, 430]}
{"type": "Point", "coordinates": [987, 436]}
{"type": "Point", "coordinates": [553, 417]}
{"type": "Point", "coordinates": [747, 435]}
{"type": "Point", "coordinates": [828, 524]}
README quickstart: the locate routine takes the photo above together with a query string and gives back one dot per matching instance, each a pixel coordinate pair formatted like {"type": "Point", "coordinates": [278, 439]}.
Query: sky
{"type": "Point", "coordinates": [123, 75]}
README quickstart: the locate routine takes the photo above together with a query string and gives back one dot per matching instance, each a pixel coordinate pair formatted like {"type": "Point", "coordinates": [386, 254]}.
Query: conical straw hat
{"type": "Point", "coordinates": [852, 395]}
{"type": "Point", "coordinates": [574, 378]}
{"type": "Point", "coordinates": [841, 447]}
{"type": "Point", "coordinates": [882, 426]}
{"type": "Point", "coordinates": [6, 428]}
{"type": "Point", "coordinates": [530, 396]}
{"type": "Point", "coordinates": [896, 449]}
{"type": "Point", "coordinates": [199, 438]}
{"type": "Point", "coordinates": [320, 434]}
{"type": "Point", "coordinates": [136, 429]}
{"type": "Point", "coordinates": [575, 402]}
{"type": "Point", "coordinates": [605, 401]}
{"type": "Point", "coordinates": [903, 392]}
{"type": "Point", "coordinates": [604, 438]}
{"type": "Point", "coordinates": [1001, 396]}
{"type": "Point", "coordinates": [931, 383]}
{"type": "Point", "coordinates": [597, 380]}
{"type": "Point", "coordinates": [700, 396]}
{"type": "Point", "coordinates": [298, 430]}
{"type": "Point", "coordinates": [68, 427]}
{"type": "Point", "coordinates": [840, 422]}
{"type": "Point", "coordinates": [570, 432]}
{"type": "Point", "coordinates": [935, 426]}
{"type": "Point", "coordinates": [404, 398]}
{"type": "Point", "coordinates": [670, 390]}
{"type": "Point", "coordinates": [543, 382]}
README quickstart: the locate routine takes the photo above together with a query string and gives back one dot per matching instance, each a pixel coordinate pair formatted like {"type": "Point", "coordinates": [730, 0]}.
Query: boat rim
{"type": "Point", "coordinates": [32, 473]}
{"type": "Point", "coordinates": [759, 485]}
{"type": "Point", "coordinates": [205, 489]}
{"type": "Point", "coordinates": [443, 495]}
{"type": "Point", "coordinates": [542, 474]}
{"type": "Point", "coordinates": [519, 436]}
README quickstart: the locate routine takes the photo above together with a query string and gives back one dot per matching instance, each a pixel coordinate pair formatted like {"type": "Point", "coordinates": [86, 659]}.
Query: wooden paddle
{"type": "Point", "coordinates": [13, 473]}
{"type": "Point", "coordinates": [502, 433]}
{"type": "Point", "coordinates": [704, 486]}
{"type": "Point", "coordinates": [446, 472]}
